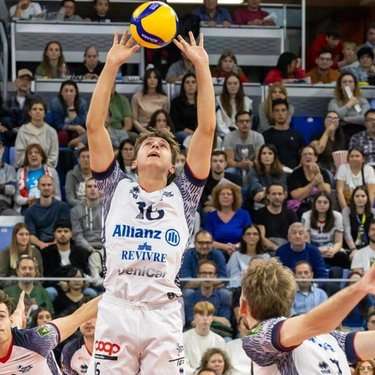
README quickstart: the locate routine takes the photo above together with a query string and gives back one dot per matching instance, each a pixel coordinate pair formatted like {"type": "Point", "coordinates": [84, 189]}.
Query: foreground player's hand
{"type": "Point", "coordinates": [195, 53]}
{"type": "Point", "coordinates": [121, 50]}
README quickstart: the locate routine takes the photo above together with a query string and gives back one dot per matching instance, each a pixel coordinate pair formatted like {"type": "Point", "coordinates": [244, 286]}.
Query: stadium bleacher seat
{"type": "Point", "coordinates": [307, 125]}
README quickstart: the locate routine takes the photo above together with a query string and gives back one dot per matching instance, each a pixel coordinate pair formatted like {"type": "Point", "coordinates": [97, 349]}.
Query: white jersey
{"type": "Point", "coordinates": [145, 234]}
{"type": "Point", "coordinates": [31, 352]}
{"type": "Point", "coordinates": [75, 357]}
{"type": "Point", "coordinates": [323, 354]}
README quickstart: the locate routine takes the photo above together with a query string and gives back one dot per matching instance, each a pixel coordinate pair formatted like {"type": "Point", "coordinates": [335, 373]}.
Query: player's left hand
{"type": "Point", "coordinates": [123, 50]}
{"type": "Point", "coordinates": [195, 53]}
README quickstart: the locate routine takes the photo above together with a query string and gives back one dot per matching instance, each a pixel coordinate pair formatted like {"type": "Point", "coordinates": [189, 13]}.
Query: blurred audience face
{"type": "Point", "coordinates": [34, 158]}
{"type": "Point", "coordinates": [190, 85]}
{"type": "Point", "coordinates": [365, 61]}
{"type": "Point", "coordinates": [347, 80]}
{"type": "Point", "coordinates": [277, 93]}
{"type": "Point", "coordinates": [91, 191]}
{"type": "Point", "coordinates": [43, 317]}
{"type": "Point", "coordinates": [226, 198]}
{"type": "Point", "coordinates": [355, 159]}
{"type": "Point", "coordinates": [280, 114]}
{"type": "Point", "coordinates": [218, 164]}
{"type": "Point", "coordinates": [127, 153]}
{"type": "Point", "coordinates": [152, 81]}
{"type": "Point", "coordinates": [76, 285]}
{"type": "Point", "coordinates": [331, 118]}
{"type": "Point", "coordinates": [101, 7]}
{"type": "Point", "coordinates": [324, 61]}
{"type": "Point", "coordinates": [88, 328]}
{"type": "Point", "coordinates": [243, 123]}
{"type": "Point", "coordinates": [210, 5]}
{"type": "Point", "coordinates": [349, 50]}
{"type": "Point", "coordinates": [45, 186]}
{"type": "Point", "coordinates": [181, 159]}
{"type": "Point", "coordinates": [366, 368]}
{"type": "Point", "coordinates": [203, 243]}
{"type": "Point", "coordinates": [371, 36]}
{"type": "Point", "coordinates": [267, 157]}
{"type": "Point", "coordinates": [297, 237]}
{"type": "Point", "coordinates": [63, 235]}
{"type": "Point", "coordinates": [53, 52]}
{"type": "Point", "coordinates": [322, 204]}
{"type": "Point", "coordinates": [69, 7]}
{"type": "Point", "coordinates": [371, 323]}
{"type": "Point", "coordinates": [227, 64]}
{"type": "Point", "coordinates": [69, 93]}
{"type": "Point", "coordinates": [276, 195]}
{"type": "Point", "coordinates": [84, 160]}
{"type": "Point", "coordinates": [332, 41]}
{"type": "Point", "coordinates": [233, 85]}
{"type": "Point", "coordinates": [253, 4]}
{"type": "Point", "coordinates": [26, 268]}
{"type": "Point", "coordinates": [360, 198]}
{"type": "Point", "coordinates": [161, 122]}
{"type": "Point", "coordinates": [91, 58]}
{"type": "Point", "coordinates": [216, 362]}
{"type": "Point", "coordinates": [304, 271]}
{"type": "Point", "coordinates": [23, 238]}
{"type": "Point", "coordinates": [37, 112]}
{"type": "Point", "coordinates": [207, 271]}
{"type": "Point", "coordinates": [371, 233]}
{"type": "Point", "coordinates": [370, 123]}
{"type": "Point", "coordinates": [203, 321]}
{"type": "Point", "coordinates": [308, 157]}
{"type": "Point", "coordinates": [23, 84]}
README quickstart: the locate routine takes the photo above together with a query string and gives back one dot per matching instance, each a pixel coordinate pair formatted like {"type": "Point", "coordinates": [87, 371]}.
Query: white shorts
{"type": "Point", "coordinates": [136, 338]}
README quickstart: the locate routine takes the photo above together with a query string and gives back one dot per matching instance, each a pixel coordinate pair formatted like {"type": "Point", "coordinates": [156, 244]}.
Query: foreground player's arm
{"type": "Point", "coordinates": [327, 316]}
{"type": "Point", "coordinates": [19, 316]}
{"type": "Point", "coordinates": [200, 148]}
{"type": "Point", "coordinates": [101, 151]}
{"type": "Point", "coordinates": [69, 324]}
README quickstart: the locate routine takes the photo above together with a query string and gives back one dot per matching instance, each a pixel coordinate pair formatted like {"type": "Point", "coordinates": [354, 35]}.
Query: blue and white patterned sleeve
{"type": "Point", "coordinates": [346, 343]}
{"type": "Point", "coordinates": [66, 356]}
{"type": "Point", "coordinates": [191, 189]}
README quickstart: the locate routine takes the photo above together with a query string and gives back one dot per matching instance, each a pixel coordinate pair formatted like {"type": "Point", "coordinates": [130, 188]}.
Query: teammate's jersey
{"type": "Point", "coordinates": [323, 354]}
{"type": "Point", "coordinates": [31, 352]}
{"type": "Point", "coordinates": [145, 234]}
{"type": "Point", "coordinates": [75, 357]}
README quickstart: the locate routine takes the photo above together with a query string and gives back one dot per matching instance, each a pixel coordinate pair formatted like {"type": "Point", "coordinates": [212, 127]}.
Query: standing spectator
{"type": "Point", "coordinates": [17, 105]}
{"type": "Point", "coordinates": [125, 157]}
{"type": "Point", "coordinates": [227, 222]}
{"type": "Point", "coordinates": [76, 178]}
{"type": "Point", "coordinates": [121, 112]}
{"type": "Point", "coordinates": [352, 120]}
{"type": "Point", "coordinates": [66, 12]}
{"type": "Point", "coordinates": [212, 14]}
{"type": "Point", "coordinates": [184, 108]}
{"type": "Point", "coordinates": [91, 66]}
{"type": "Point", "coordinates": [25, 10]}
{"type": "Point", "coordinates": [229, 103]}
{"type": "Point", "coordinates": [34, 166]}
{"type": "Point", "coordinates": [331, 38]}
{"type": "Point", "coordinates": [37, 131]}
{"type": "Point", "coordinates": [287, 141]}
{"type": "Point", "coordinates": [226, 65]}
{"type": "Point", "coordinates": [323, 73]}
{"type": "Point", "coordinates": [53, 64]}
{"type": "Point", "coordinates": [242, 147]}
{"type": "Point", "coordinates": [179, 69]}
{"type": "Point", "coordinates": [252, 15]}
{"type": "Point", "coordinates": [288, 70]}
{"type": "Point", "coordinates": [69, 113]}
{"type": "Point", "coordinates": [20, 245]}
{"type": "Point", "coordinates": [265, 111]}
{"type": "Point", "coordinates": [147, 101]}
{"type": "Point", "coordinates": [101, 12]}
{"type": "Point", "coordinates": [41, 216]}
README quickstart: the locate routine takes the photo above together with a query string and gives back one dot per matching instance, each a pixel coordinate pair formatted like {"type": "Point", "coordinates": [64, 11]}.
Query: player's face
{"type": "Point", "coordinates": [63, 235]}
{"type": "Point", "coordinates": [101, 7]}
{"type": "Point", "coordinates": [43, 317]}
{"type": "Point", "coordinates": [218, 164]}
{"type": "Point", "coordinates": [92, 191]}
{"type": "Point", "coordinates": [233, 85]}
{"type": "Point", "coordinates": [280, 114]}
{"type": "Point", "coordinates": [267, 156]}
{"type": "Point", "coordinates": [88, 328]}
{"type": "Point", "coordinates": [203, 320]}
{"type": "Point", "coordinates": [227, 64]}
{"type": "Point", "coordinates": [34, 158]}
{"type": "Point", "coordinates": [45, 186]}
{"type": "Point", "coordinates": [276, 196]}
{"type": "Point", "coordinates": [23, 237]}
{"type": "Point", "coordinates": [84, 160]}
{"type": "Point", "coordinates": [5, 324]}
{"type": "Point", "coordinates": [216, 362]}
{"type": "Point", "coordinates": [297, 236]}
{"type": "Point", "coordinates": [203, 243]}
{"type": "Point", "coordinates": [226, 198]}
{"type": "Point", "coordinates": [322, 205]}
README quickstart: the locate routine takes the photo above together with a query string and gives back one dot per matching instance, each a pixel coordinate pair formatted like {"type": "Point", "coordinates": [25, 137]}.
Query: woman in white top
{"type": "Point", "coordinates": [354, 173]}
{"type": "Point", "coordinates": [231, 101]}
{"type": "Point", "coordinates": [325, 230]}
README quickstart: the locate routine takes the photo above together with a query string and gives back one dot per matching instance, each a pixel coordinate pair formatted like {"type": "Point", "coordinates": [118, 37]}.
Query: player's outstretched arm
{"type": "Point", "coordinates": [69, 324]}
{"type": "Point", "coordinates": [101, 151]}
{"type": "Point", "coordinates": [199, 154]}
{"type": "Point", "coordinates": [327, 316]}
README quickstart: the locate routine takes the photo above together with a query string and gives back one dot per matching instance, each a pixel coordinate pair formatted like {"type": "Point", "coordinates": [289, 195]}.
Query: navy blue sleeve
{"type": "Point", "coordinates": [186, 270]}
{"type": "Point", "coordinates": [221, 265]}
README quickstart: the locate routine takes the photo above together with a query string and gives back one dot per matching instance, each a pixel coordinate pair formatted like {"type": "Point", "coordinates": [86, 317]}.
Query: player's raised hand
{"type": "Point", "coordinates": [121, 50]}
{"type": "Point", "coordinates": [196, 53]}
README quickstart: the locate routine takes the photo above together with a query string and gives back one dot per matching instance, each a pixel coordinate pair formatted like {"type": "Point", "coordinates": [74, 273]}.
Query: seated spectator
{"type": "Point", "coordinates": [366, 139]}
{"type": "Point", "coordinates": [252, 15]}
{"type": "Point", "coordinates": [227, 222]}
{"type": "Point", "coordinates": [161, 119]}
{"type": "Point", "coordinates": [91, 66]}
{"type": "Point", "coordinates": [121, 112]}
{"type": "Point", "coordinates": [323, 73]}
{"type": "Point", "coordinates": [365, 367]}
{"type": "Point", "coordinates": [354, 173]}
{"type": "Point", "coordinates": [184, 108]}
{"type": "Point", "coordinates": [365, 71]}
{"type": "Point", "coordinates": [298, 249]}
{"type": "Point", "coordinates": [356, 220]}
{"type": "Point", "coordinates": [287, 141]}
{"type": "Point", "coordinates": [40, 317]}
{"type": "Point", "coordinates": [364, 258]}
{"type": "Point", "coordinates": [307, 296]}
{"type": "Point", "coordinates": [288, 70]}
{"type": "Point", "coordinates": [266, 170]}
{"type": "Point", "coordinates": [41, 216]}
{"type": "Point", "coordinates": [218, 360]}
{"type": "Point", "coordinates": [37, 131]}
{"type": "Point", "coordinates": [69, 113]}
{"type": "Point", "coordinates": [17, 105]}
{"type": "Point", "coordinates": [231, 101]}
{"type": "Point", "coordinates": [349, 50]}
{"type": "Point", "coordinates": [125, 158]}
{"type": "Point", "coordinates": [147, 101]}
{"type": "Point", "coordinates": [227, 65]}
{"type": "Point", "coordinates": [53, 62]}
{"type": "Point", "coordinates": [25, 10]}
{"type": "Point", "coordinates": [352, 120]}
{"type": "Point", "coordinates": [66, 12]}
{"type": "Point", "coordinates": [179, 69]}
{"type": "Point", "coordinates": [217, 174]}
{"type": "Point", "coordinates": [34, 166]}
{"type": "Point", "coordinates": [203, 250]}
{"type": "Point", "coordinates": [35, 295]}
{"type": "Point", "coordinates": [20, 245]}
{"type": "Point", "coordinates": [306, 181]}
{"type": "Point", "coordinates": [325, 230]}
{"type": "Point", "coordinates": [100, 14]}
{"type": "Point", "coordinates": [275, 218]}
{"type": "Point", "coordinates": [67, 302]}
{"type": "Point", "coordinates": [265, 112]}
{"type": "Point", "coordinates": [330, 140]}
{"type": "Point", "coordinates": [242, 147]}
{"type": "Point", "coordinates": [207, 292]}
{"type": "Point", "coordinates": [251, 245]}
{"type": "Point", "coordinates": [370, 38]}
{"type": "Point", "coordinates": [200, 338]}
{"type": "Point", "coordinates": [331, 38]}
{"type": "Point", "coordinates": [76, 178]}
{"type": "Point", "coordinates": [211, 14]}
{"type": "Point", "coordinates": [371, 321]}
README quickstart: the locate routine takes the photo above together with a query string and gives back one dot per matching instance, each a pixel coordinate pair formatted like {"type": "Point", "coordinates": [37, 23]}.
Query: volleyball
{"type": "Point", "coordinates": [154, 24]}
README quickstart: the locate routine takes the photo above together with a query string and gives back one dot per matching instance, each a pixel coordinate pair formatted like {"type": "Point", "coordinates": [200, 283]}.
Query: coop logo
{"type": "Point", "coordinates": [172, 237]}
{"type": "Point", "coordinates": [105, 350]}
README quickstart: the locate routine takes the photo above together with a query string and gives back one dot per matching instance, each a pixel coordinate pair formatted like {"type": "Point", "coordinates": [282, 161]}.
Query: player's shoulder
{"type": "Point", "coordinates": [72, 346]}
{"type": "Point", "coordinates": [33, 337]}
